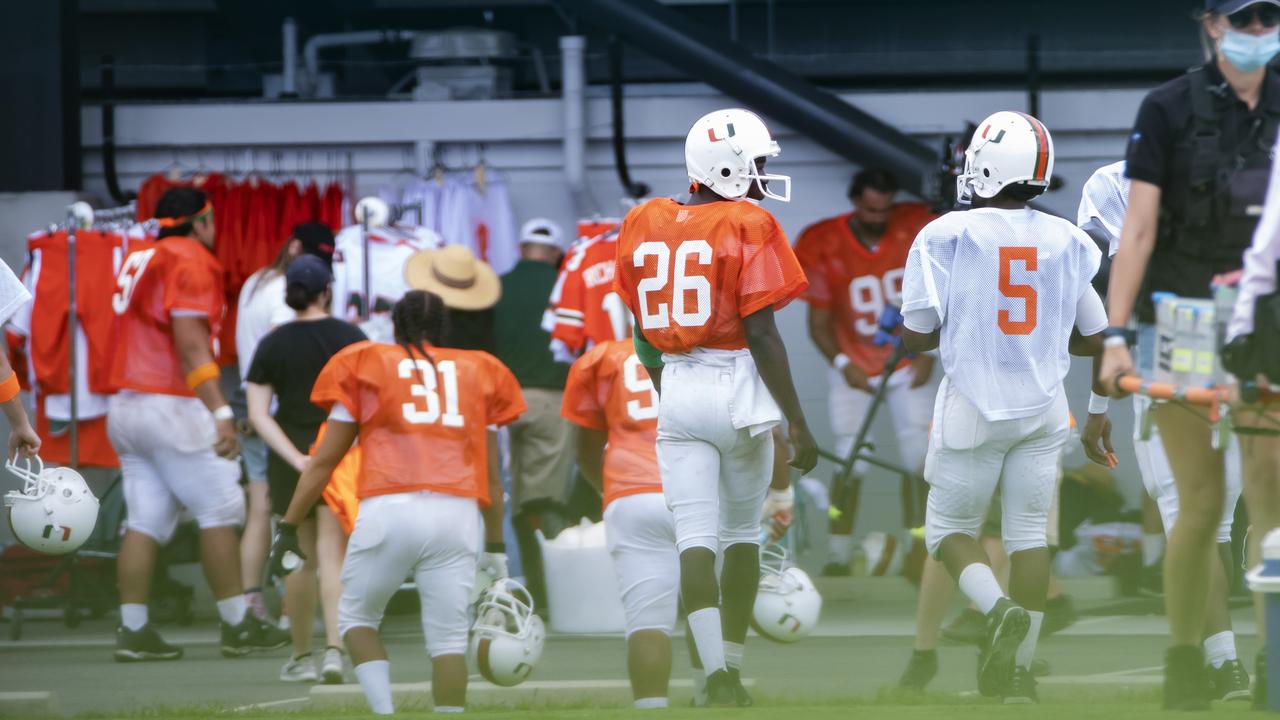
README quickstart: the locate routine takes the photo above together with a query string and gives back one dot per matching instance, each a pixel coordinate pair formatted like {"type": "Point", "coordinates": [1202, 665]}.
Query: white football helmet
{"type": "Point", "coordinates": [787, 604]}
{"type": "Point", "coordinates": [1007, 148]}
{"type": "Point", "coordinates": [55, 511]}
{"type": "Point", "coordinates": [721, 151]}
{"type": "Point", "coordinates": [373, 210]}
{"type": "Point", "coordinates": [506, 638]}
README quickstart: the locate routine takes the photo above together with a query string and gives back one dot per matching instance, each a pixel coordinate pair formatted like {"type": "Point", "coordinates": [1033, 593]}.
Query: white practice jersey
{"type": "Point", "coordinates": [1104, 201]}
{"type": "Point", "coordinates": [390, 248]}
{"type": "Point", "coordinates": [1004, 285]}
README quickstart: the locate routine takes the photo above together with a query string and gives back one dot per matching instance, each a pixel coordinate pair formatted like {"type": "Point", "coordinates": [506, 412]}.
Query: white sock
{"type": "Point", "coordinates": [375, 680]}
{"type": "Point", "coordinates": [449, 709]}
{"type": "Point", "coordinates": [656, 703]}
{"type": "Point", "coordinates": [1027, 650]}
{"type": "Point", "coordinates": [708, 638]}
{"type": "Point", "coordinates": [233, 609]}
{"type": "Point", "coordinates": [699, 687]}
{"type": "Point", "coordinates": [133, 615]}
{"type": "Point", "coordinates": [733, 654]}
{"type": "Point", "coordinates": [839, 549]}
{"type": "Point", "coordinates": [1220, 648]}
{"type": "Point", "coordinates": [1152, 548]}
{"type": "Point", "coordinates": [980, 585]}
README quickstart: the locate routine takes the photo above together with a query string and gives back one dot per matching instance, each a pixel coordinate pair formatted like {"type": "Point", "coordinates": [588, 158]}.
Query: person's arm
{"type": "Point", "coordinates": [591, 444]}
{"type": "Point", "coordinates": [650, 356]}
{"type": "Point", "coordinates": [920, 342]}
{"type": "Point", "coordinates": [770, 355]}
{"type": "Point", "coordinates": [22, 437]}
{"type": "Point", "coordinates": [191, 340]}
{"type": "Point", "coordinates": [825, 339]}
{"type": "Point", "coordinates": [1128, 269]}
{"type": "Point", "coordinates": [259, 400]}
{"type": "Point", "coordinates": [494, 513]}
{"type": "Point", "coordinates": [338, 436]}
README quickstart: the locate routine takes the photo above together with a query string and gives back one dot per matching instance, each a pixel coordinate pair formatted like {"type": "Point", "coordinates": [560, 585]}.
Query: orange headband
{"type": "Point", "coordinates": [170, 222]}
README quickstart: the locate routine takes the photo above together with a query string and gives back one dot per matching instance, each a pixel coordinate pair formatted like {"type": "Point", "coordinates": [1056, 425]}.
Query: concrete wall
{"type": "Point", "coordinates": [521, 142]}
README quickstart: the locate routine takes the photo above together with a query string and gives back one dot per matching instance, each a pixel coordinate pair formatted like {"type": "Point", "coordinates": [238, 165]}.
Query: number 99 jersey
{"type": "Point", "coordinates": [424, 421]}
{"type": "Point", "coordinates": [690, 273]}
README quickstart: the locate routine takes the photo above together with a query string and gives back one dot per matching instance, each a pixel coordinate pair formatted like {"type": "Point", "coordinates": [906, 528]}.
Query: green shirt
{"type": "Point", "coordinates": [518, 338]}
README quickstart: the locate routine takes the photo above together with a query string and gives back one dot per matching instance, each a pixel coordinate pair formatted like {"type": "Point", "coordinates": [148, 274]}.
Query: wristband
{"type": "Point", "coordinates": [1115, 341]}
{"type": "Point", "coordinates": [1130, 336]}
{"type": "Point", "coordinates": [786, 495]}
{"type": "Point", "coordinates": [495, 547]}
{"type": "Point", "coordinates": [10, 388]}
{"type": "Point", "coordinates": [224, 413]}
{"type": "Point", "coordinates": [1098, 403]}
{"type": "Point", "coordinates": [203, 374]}
{"type": "Point", "coordinates": [840, 361]}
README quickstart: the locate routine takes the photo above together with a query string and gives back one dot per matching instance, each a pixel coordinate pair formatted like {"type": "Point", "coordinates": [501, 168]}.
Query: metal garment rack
{"type": "Point", "coordinates": [397, 211]}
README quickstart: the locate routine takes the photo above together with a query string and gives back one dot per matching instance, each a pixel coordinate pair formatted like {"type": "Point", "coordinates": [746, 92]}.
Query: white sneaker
{"type": "Point", "coordinates": [331, 668]}
{"type": "Point", "coordinates": [299, 669]}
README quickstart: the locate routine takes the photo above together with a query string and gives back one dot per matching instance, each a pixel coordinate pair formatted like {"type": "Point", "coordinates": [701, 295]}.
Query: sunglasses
{"type": "Point", "coordinates": [1267, 14]}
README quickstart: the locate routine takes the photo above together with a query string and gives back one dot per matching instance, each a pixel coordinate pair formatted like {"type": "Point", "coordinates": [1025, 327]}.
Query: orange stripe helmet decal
{"type": "Point", "coordinates": [1042, 148]}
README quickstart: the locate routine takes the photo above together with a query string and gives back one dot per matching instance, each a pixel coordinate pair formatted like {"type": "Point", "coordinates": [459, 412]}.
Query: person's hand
{"type": "Point", "coordinates": [23, 440]}
{"type": "Point", "coordinates": [227, 444]}
{"type": "Point", "coordinates": [1096, 438]}
{"type": "Point", "coordinates": [300, 462]}
{"type": "Point", "coordinates": [286, 553]}
{"type": "Point", "coordinates": [778, 512]}
{"type": "Point", "coordinates": [1116, 362]}
{"type": "Point", "coordinates": [856, 378]}
{"type": "Point", "coordinates": [921, 369]}
{"type": "Point", "coordinates": [493, 564]}
{"type": "Point", "coordinates": [805, 448]}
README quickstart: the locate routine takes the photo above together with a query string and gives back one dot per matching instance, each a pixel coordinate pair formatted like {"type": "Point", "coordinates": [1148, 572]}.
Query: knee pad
{"type": "Point", "coordinates": [354, 614]}
{"type": "Point", "coordinates": [228, 513]}
{"type": "Point", "coordinates": [1019, 537]}
{"type": "Point", "coordinates": [454, 643]}
{"type": "Point", "coordinates": [157, 528]}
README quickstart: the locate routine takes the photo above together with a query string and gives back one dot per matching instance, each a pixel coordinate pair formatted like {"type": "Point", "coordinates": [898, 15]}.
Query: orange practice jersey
{"type": "Point", "coordinates": [690, 273]}
{"type": "Point", "coordinates": [855, 283]}
{"type": "Point", "coordinates": [608, 389]}
{"type": "Point", "coordinates": [423, 426]}
{"type": "Point", "coordinates": [175, 275]}
{"type": "Point", "coordinates": [585, 308]}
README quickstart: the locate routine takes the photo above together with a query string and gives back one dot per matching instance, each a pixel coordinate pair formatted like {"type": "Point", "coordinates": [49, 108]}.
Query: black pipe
{"type": "Point", "coordinates": [840, 127]}
{"type": "Point", "coordinates": [109, 133]}
{"type": "Point", "coordinates": [1033, 75]}
{"type": "Point", "coordinates": [634, 189]}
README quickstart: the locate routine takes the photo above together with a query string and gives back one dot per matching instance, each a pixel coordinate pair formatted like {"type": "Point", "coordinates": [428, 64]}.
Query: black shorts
{"type": "Point", "coordinates": [282, 478]}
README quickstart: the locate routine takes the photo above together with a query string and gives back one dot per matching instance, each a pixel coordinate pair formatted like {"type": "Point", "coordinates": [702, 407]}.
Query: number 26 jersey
{"type": "Point", "coordinates": [424, 423]}
{"type": "Point", "coordinates": [690, 273]}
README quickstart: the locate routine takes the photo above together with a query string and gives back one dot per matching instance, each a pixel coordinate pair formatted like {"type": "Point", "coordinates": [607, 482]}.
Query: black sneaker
{"type": "Point", "coordinates": [835, 569]}
{"type": "Point", "coordinates": [1229, 682]}
{"type": "Point", "coordinates": [1260, 680]}
{"type": "Point", "coordinates": [969, 628]}
{"type": "Point", "coordinates": [1184, 686]}
{"type": "Point", "coordinates": [251, 635]}
{"type": "Point", "coordinates": [1059, 614]}
{"type": "Point", "coordinates": [720, 690]}
{"type": "Point", "coordinates": [1007, 625]}
{"type": "Point", "coordinates": [1022, 688]}
{"type": "Point", "coordinates": [740, 694]}
{"type": "Point", "coordinates": [921, 668]}
{"type": "Point", "coordinates": [142, 645]}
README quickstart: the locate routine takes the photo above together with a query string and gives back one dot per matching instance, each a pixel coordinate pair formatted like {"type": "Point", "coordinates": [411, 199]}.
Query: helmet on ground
{"type": "Point", "coordinates": [1006, 149]}
{"type": "Point", "coordinates": [787, 604]}
{"type": "Point", "coordinates": [721, 150]}
{"type": "Point", "coordinates": [506, 638]}
{"type": "Point", "coordinates": [55, 511]}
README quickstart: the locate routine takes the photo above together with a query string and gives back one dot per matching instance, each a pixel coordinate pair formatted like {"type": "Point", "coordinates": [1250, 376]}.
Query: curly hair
{"type": "Point", "coordinates": [420, 319]}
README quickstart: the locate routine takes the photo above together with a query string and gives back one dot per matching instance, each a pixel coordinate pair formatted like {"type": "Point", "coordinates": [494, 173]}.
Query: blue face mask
{"type": "Point", "coordinates": [1250, 52]}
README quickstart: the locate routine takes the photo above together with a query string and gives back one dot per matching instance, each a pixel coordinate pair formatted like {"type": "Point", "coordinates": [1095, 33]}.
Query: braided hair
{"type": "Point", "coordinates": [419, 319]}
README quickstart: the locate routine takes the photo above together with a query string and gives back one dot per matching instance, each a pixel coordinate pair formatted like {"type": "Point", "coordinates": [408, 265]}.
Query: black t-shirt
{"type": "Point", "coordinates": [290, 358]}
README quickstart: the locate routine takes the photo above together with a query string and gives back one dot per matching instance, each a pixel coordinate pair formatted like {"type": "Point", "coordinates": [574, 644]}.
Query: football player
{"type": "Point", "coordinates": [854, 264]}
{"type": "Point", "coordinates": [429, 475]}
{"type": "Point", "coordinates": [1000, 289]}
{"type": "Point", "coordinates": [703, 278]}
{"type": "Point", "coordinates": [173, 430]}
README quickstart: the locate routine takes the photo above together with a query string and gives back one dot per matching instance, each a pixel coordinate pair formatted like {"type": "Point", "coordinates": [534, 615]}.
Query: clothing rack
{"type": "Point", "coordinates": [396, 211]}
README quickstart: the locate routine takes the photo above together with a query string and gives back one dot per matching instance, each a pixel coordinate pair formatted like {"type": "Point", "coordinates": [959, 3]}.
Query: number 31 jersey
{"type": "Point", "coordinates": [690, 273]}
{"type": "Point", "coordinates": [424, 423]}
{"type": "Point", "coordinates": [1005, 285]}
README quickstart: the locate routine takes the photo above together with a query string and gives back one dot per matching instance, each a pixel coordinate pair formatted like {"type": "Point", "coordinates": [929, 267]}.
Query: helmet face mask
{"type": "Point", "coordinates": [506, 637]}
{"type": "Point", "coordinates": [787, 603]}
{"type": "Point", "coordinates": [721, 151]}
{"type": "Point", "coordinates": [1007, 148]}
{"type": "Point", "coordinates": [55, 512]}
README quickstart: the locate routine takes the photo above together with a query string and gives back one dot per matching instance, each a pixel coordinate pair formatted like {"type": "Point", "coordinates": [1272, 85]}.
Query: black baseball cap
{"type": "Point", "coordinates": [316, 239]}
{"type": "Point", "coordinates": [310, 272]}
{"type": "Point", "coordinates": [1226, 7]}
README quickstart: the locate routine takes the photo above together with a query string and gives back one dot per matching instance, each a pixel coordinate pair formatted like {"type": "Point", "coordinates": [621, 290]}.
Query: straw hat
{"type": "Point", "coordinates": [453, 273]}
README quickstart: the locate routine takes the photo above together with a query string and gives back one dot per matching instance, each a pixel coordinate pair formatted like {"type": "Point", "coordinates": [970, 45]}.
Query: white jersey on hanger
{"type": "Point", "coordinates": [463, 214]}
{"type": "Point", "coordinates": [390, 248]}
{"type": "Point", "coordinates": [1104, 201]}
{"type": "Point", "coordinates": [1004, 285]}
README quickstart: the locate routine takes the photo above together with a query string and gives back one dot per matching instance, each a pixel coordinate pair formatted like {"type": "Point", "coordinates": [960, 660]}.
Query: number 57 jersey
{"type": "Point", "coordinates": [424, 421]}
{"type": "Point", "coordinates": [1005, 286]}
{"type": "Point", "coordinates": [690, 273]}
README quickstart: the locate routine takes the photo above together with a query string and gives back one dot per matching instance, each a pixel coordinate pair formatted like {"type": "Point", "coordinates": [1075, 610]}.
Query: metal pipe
{"type": "Point", "coordinates": [763, 85]}
{"type": "Point", "coordinates": [573, 89]}
{"type": "Point", "coordinates": [316, 43]}
{"type": "Point", "coordinates": [289, 75]}
{"type": "Point", "coordinates": [630, 187]}
{"type": "Point", "coordinates": [109, 132]}
{"type": "Point", "coordinates": [72, 336]}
